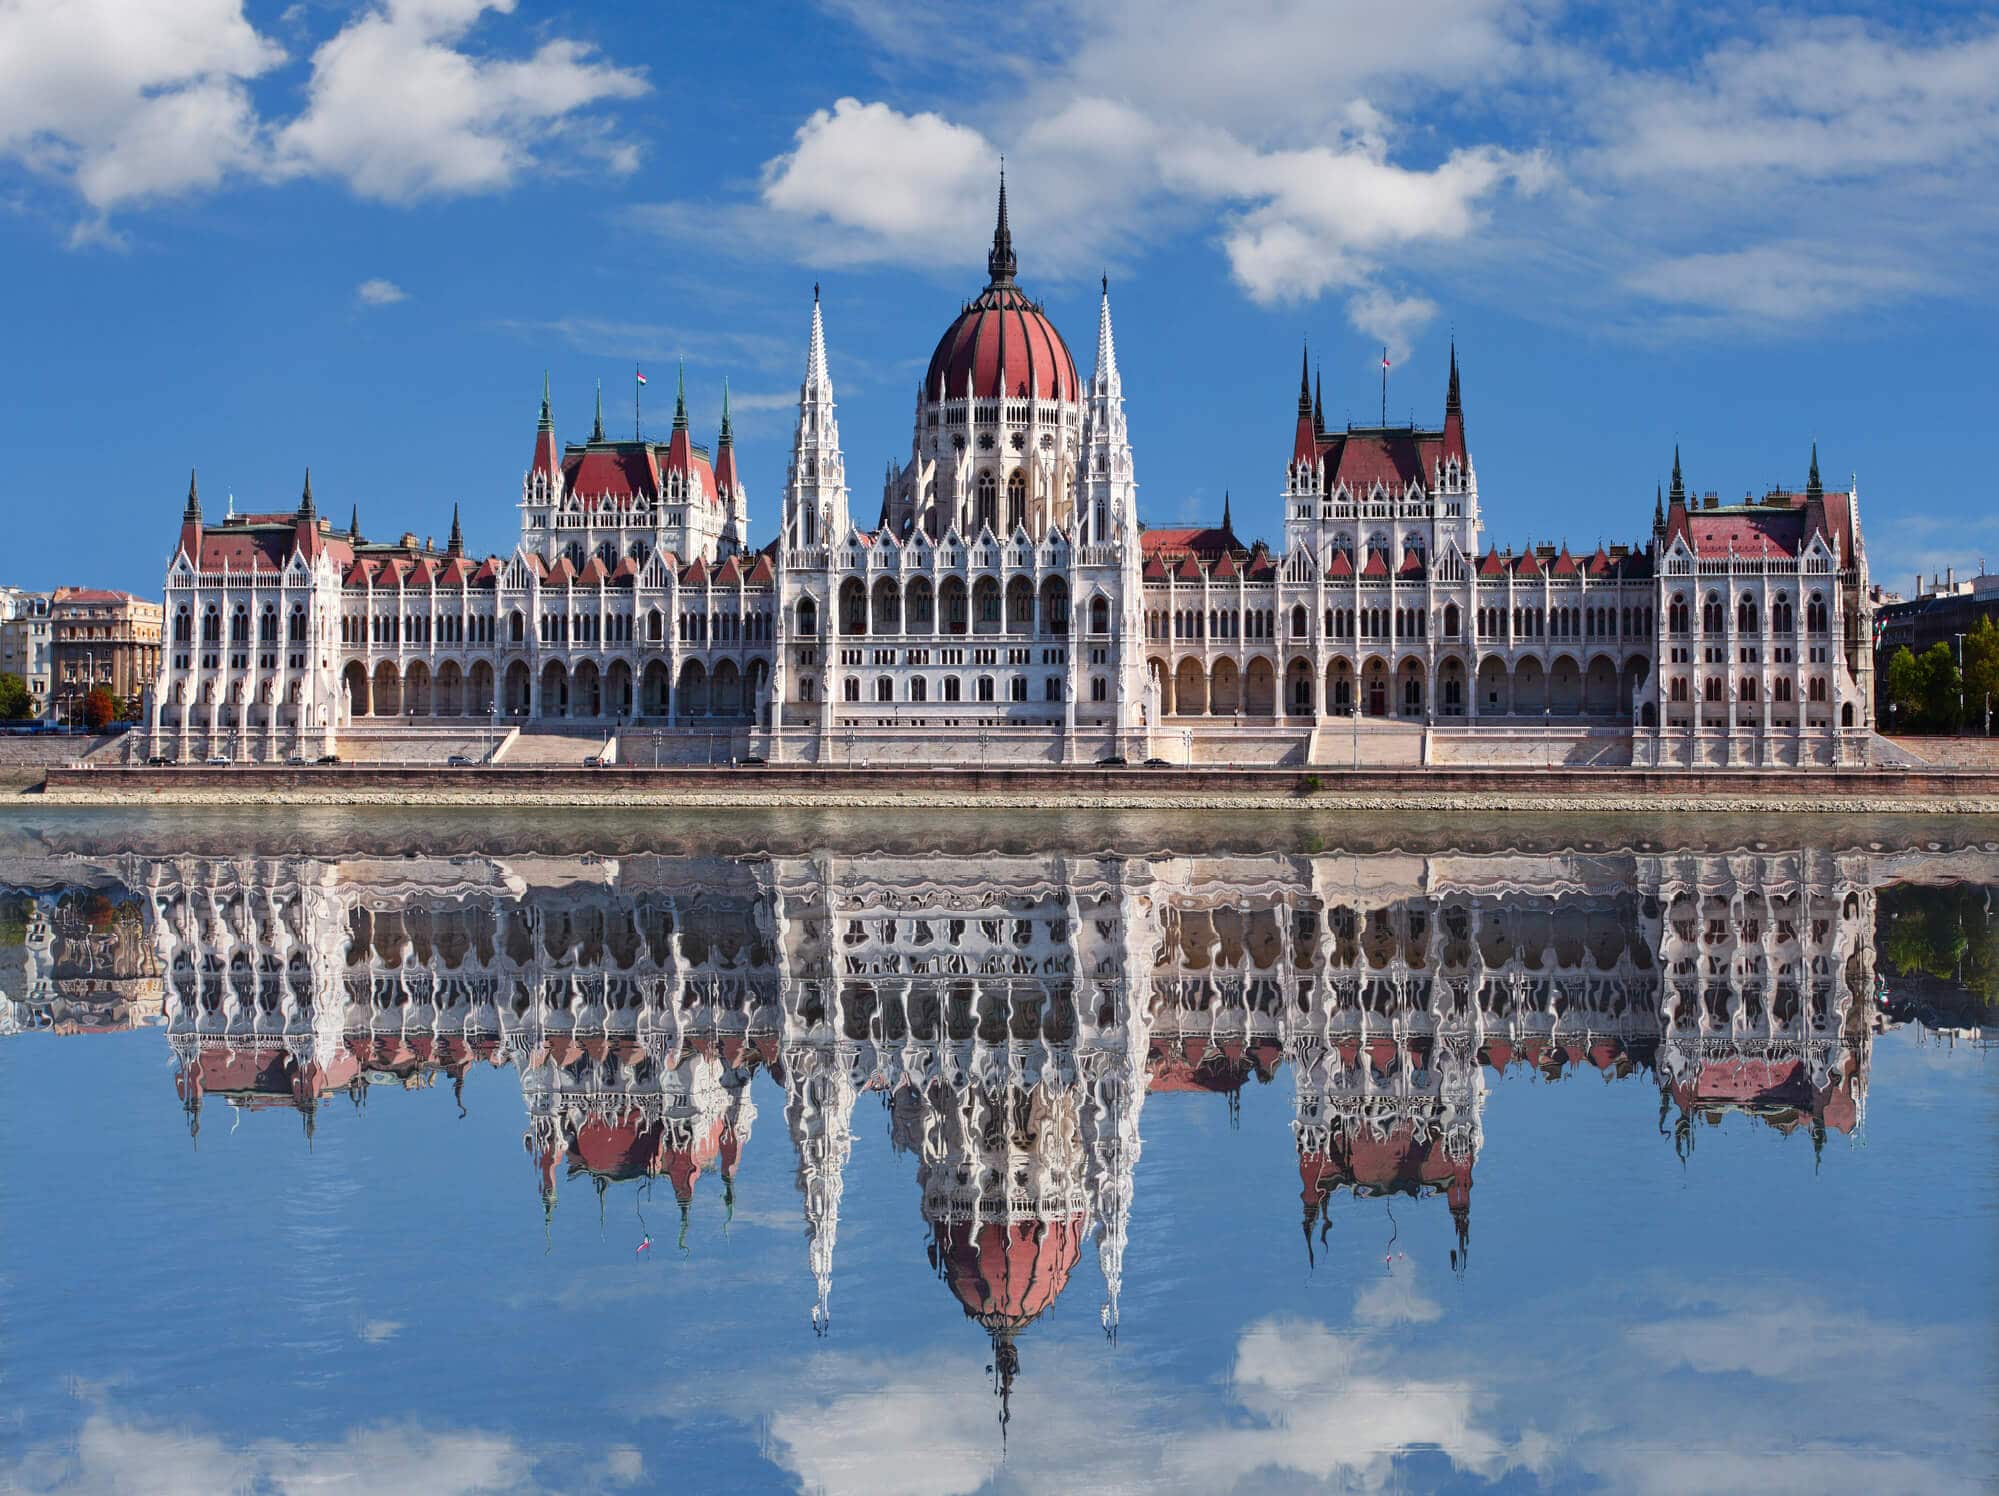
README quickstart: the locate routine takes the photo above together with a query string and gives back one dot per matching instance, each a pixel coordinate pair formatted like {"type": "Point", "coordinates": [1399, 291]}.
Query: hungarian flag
{"type": "Point", "coordinates": [1384, 360]}
{"type": "Point", "coordinates": [642, 378]}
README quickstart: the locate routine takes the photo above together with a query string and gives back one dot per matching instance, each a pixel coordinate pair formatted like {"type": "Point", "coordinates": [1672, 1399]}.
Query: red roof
{"type": "Point", "coordinates": [1004, 345]}
{"type": "Point", "coordinates": [1779, 525]}
{"type": "Point", "coordinates": [1208, 542]}
{"type": "Point", "coordinates": [1376, 565]}
{"type": "Point", "coordinates": [1007, 1272]}
{"type": "Point", "coordinates": [1341, 565]}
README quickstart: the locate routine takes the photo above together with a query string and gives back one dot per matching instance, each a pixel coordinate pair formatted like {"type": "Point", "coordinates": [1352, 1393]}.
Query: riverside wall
{"type": "Point", "coordinates": [1942, 791]}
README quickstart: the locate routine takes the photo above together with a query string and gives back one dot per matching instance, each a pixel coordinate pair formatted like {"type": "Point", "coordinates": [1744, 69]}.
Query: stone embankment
{"type": "Point", "coordinates": [1084, 788]}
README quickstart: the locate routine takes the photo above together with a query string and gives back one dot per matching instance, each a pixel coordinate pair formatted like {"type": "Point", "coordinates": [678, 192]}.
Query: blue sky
{"type": "Point", "coordinates": [251, 237]}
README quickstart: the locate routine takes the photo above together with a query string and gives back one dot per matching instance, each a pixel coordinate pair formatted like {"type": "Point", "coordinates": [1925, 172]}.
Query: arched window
{"type": "Point", "coordinates": [986, 514]}
{"type": "Point", "coordinates": [298, 625]}
{"type": "Point", "coordinates": [1099, 688]}
{"type": "Point", "coordinates": [1815, 614]}
{"type": "Point", "coordinates": [1711, 615]}
{"type": "Point", "coordinates": [808, 618]}
{"type": "Point", "coordinates": [985, 688]}
{"type": "Point", "coordinates": [183, 627]}
{"type": "Point", "coordinates": [885, 689]}
{"type": "Point", "coordinates": [1451, 620]}
{"type": "Point", "coordinates": [1298, 621]}
{"type": "Point", "coordinates": [951, 688]}
{"type": "Point", "coordinates": [1016, 501]}
{"type": "Point", "coordinates": [851, 688]}
{"type": "Point", "coordinates": [1053, 690]}
{"type": "Point", "coordinates": [1100, 615]}
{"type": "Point", "coordinates": [517, 629]}
{"type": "Point", "coordinates": [1745, 614]}
{"type": "Point", "coordinates": [919, 689]}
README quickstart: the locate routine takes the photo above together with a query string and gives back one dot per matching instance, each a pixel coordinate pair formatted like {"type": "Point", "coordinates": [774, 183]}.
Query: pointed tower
{"type": "Point", "coordinates": [815, 495]}
{"type": "Point", "coordinates": [190, 522]}
{"type": "Point", "coordinates": [1319, 402]}
{"type": "Point", "coordinates": [597, 430]}
{"type": "Point", "coordinates": [729, 487]}
{"type": "Point", "coordinates": [1454, 418]}
{"type": "Point", "coordinates": [1814, 489]}
{"type": "Point", "coordinates": [819, 1113]}
{"type": "Point", "coordinates": [545, 472]}
{"type": "Point", "coordinates": [1678, 495]}
{"type": "Point", "coordinates": [1305, 440]}
{"type": "Point", "coordinates": [1000, 263]}
{"type": "Point", "coordinates": [307, 513]}
{"type": "Point", "coordinates": [354, 526]}
{"type": "Point", "coordinates": [456, 545]}
{"type": "Point", "coordinates": [1108, 501]}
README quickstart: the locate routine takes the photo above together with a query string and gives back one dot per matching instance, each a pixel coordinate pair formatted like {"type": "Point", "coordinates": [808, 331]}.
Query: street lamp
{"type": "Point", "coordinates": [1960, 682]}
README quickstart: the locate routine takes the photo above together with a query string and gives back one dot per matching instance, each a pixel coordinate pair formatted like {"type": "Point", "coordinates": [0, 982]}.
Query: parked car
{"type": "Point", "coordinates": [217, 761]}
{"type": "Point", "coordinates": [458, 761]}
{"type": "Point", "coordinates": [596, 761]}
{"type": "Point", "coordinates": [161, 761]}
{"type": "Point", "coordinates": [1111, 761]}
{"type": "Point", "coordinates": [327, 758]}
{"type": "Point", "coordinates": [1157, 763]}
{"type": "Point", "coordinates": [751, 761]}
{"type": "Point", "coordinates": [295, 761]}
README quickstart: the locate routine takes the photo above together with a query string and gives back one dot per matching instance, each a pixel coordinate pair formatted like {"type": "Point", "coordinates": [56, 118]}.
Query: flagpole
{"type": "Point", "coordinates": [638, 385]}
{"type": "Point", "coordinates": [1384, 384]}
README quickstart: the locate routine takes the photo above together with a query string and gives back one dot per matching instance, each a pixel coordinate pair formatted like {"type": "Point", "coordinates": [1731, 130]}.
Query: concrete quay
{"type": "Point", "coordinates": [1813, 791]}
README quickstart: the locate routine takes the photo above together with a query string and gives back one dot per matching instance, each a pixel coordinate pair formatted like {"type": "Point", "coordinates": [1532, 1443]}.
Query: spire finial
{"type": "Point", "coordinates": [1305, 379]}
{"type": "Point", "coordinates": [1227, 524]}
{"type": "Point", "coordinates": [1679, 489]}
{"type": "Point", "coordinates": [1814, 489]}
{"type": "Point", "coordinates": [1452, 405]}
{"type": "Point", "coordinates": [547, 411]}
{"type": "Point", "coordinates": [815, 355]}
{"type": "Point", "coordinates": [597, 431]}
{"type": "Point", "coordinates": [193, 510]}
{"type": "Point", "coordinates": [1000, 264]}
{"type": "Point", "coordinates": [305, 507]}
{"type": "Point", "coordinates": [354, 525]}
{"type": "Point", "coordinates": [680, 400]}
{"type": "Point", "coordinates": [456, 546]}
{"type": "Point", "coordinates": [1318, 402]}
{"type": "Point", "coordinates": [1658, 507]}
{"type": "Point", "coordinates": [728, 432]}
{"type": "Point", "coordinates": [1107, 375]}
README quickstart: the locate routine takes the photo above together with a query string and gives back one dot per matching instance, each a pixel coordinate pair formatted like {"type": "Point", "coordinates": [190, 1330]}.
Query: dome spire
{"type": "Point", "coordinates": [1000, 264]}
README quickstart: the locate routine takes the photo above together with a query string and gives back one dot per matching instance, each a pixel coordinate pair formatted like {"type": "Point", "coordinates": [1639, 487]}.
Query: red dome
{"type": "Point", "coordinates": [1002, 342]}
{"type": "Point", "coordinates": [1007, 347]}
{"type": "Point", "coordinates": [1007, 1272]}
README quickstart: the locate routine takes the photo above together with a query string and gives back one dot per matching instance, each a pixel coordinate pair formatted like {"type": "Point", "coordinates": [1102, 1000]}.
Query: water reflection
{"type": "Point", "coordinates": [1013, 1013]}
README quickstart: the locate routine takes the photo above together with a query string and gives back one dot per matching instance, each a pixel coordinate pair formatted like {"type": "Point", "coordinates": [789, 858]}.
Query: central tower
{"type": "Point", "coordinates": [999, 419]}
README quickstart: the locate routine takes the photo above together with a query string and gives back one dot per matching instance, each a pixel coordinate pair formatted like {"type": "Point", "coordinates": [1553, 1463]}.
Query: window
{"type": "Point", "coordinates": [1100, 615]}
{"type": "Point", "coordinates": [1298, 621]}
{"type": "Point", "coordinates": [985, 688]}
{"type": "Point", "coordinates": [851, 688]}
{"type": "Point", "coordinates": [885, 689]}
{"type": "Point", "coordinates": [1017, 688]}
{"type": "Point", "coordinates": [951, 688]}
{"type": "Point", "coordinates": [1053, 690]}
{"type": "Point", "coordinates": [919, 689]}
{"type": "Point", "coordinates": [986, 514]}
{"type": "Point", "coordinates": [1099, 688]}
{"type": "Point", "coordinates": [1016, 501]}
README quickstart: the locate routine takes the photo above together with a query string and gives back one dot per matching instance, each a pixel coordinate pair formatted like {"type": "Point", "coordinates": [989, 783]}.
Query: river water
{"type": "Point", "coordinates": [483, 1151]}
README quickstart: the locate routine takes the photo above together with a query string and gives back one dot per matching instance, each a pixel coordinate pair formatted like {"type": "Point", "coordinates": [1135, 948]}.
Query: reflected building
{"type": "Point", "coordinates": [1013, 1014]}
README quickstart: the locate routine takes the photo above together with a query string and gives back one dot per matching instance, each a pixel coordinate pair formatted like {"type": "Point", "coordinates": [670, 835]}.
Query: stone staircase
{"type": "Point", "coordinates": [555, 747]}
{"type": "Point", "coordinates": [1949, 753]}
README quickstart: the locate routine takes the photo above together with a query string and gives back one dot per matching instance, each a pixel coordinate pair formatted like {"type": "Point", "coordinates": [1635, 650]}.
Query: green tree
{"type": "Point", "coordinates": [98, 710]}
{"type": "Point", "coordinates": [1981, 670]}
{"type": "Point", "coordinates": [1943, 688]}
{"type": "Point", "coordinates": [14, 701]}
{"type": "Point", "coordinates": [1905, 691]}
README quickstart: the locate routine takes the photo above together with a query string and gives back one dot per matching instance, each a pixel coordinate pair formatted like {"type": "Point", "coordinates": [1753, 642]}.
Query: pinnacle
{"type": "Point", "coordinates": [1106, 343]}
{"type": "Point", "coordinates": [728, 432]}
{"type": "Point", "coordinates": [680, 400]}
{"type": "Point", "coordinates": [305, 507]}
{"type": "Point", "coordinates": [547, 412]}
{"type": "Point", "coordinates": [597, 431]}
{"type": "Point", "coordinates": [193, 510]}
{"type": "Point", "coordinates": [1000, 263]}
{"type": "Point", "coordinates": [1305, 380]}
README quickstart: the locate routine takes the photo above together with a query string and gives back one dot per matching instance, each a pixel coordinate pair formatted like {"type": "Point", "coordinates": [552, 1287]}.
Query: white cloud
{"type": "Point", "coordinates": [379, 292]}
{"type": "Point", "coordinates": [125, 102]}
{"type": "Point", "coordinates": [397, 111]}
{"type": "Point", "coordinates": [890, 185]}
{"type": "Point", "coordinates": [375, 1331]}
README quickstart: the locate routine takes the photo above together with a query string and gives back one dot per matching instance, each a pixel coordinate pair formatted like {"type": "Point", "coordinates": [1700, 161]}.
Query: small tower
{"type": "Point", "coordinates": [1109, 499]}
{"type": "Point", "coordinates": [815, 495]}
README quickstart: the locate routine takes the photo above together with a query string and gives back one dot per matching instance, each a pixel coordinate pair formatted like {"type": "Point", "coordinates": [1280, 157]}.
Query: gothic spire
{"type": "Point", "coordinates": [1000, 264]}
{"type": "Point", "coordinates": [680, 400]}
{"type": "Point", "coordinates": [1318, 403]}
{"type": "Point", "coordinates": [1305, 381]}
{"type": "Point", "coordinates": [193, 510]}
{"type": "Point", "coordinates": [354, 525]}
{"type": "Point", "coordinates": [1227, 525]}
{"type": "Point", "coordinates": [728, 437]}
{"type": "Point", "coordinates": [547, 411]}
{"type": "Point", "coordinates": [815, 355]}
{"type": "Point", "coordinates": [306, 511]}
{"type": "Point", "coordinates": [1814, 489]}
{"type": "Point", "coordinates": [456, 547]}
{"type": "Point", "coordinates": [1106, 380]}
{"type": "Point", "coordinates": [1679, 490]}
{"type": "Point", "coordinates": [1658, 507]}
{"type": "Point", "coordinates": [1452, 405]}
{"type": "Point", "coordinates": [597, 431]}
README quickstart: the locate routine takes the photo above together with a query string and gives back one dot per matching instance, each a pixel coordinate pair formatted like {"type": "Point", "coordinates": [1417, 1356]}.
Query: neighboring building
{"type": "Point", "coordinates": [1941, 611]}
{"type": "Point", "coordinates": [24, 641]}
{"type": "Point", "coordinates": [1008, 604]}
{"type": "Point", "coordinates": [100, 638]}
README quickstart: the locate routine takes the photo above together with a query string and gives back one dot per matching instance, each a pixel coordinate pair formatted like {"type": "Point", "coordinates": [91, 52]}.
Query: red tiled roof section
{"type": "Point", "coordinates": [1208, 542]}
{"type": "Point", "coordinates": [1394, 458]}
{"type": "Point", "coordinates": [1006, 346]}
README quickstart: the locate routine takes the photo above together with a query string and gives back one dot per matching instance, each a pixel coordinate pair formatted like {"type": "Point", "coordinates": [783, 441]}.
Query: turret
{"type": "Point", "coordinates": [1454, 414]}
{"type": "Point", "coordinates": [456, 545]}
{"type": "Point", "coordinates": [815, 500]}
{"type": "Point", "coordinates": [1107, 501]}
{"type": "Point", "coordinates": [547, 464]}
